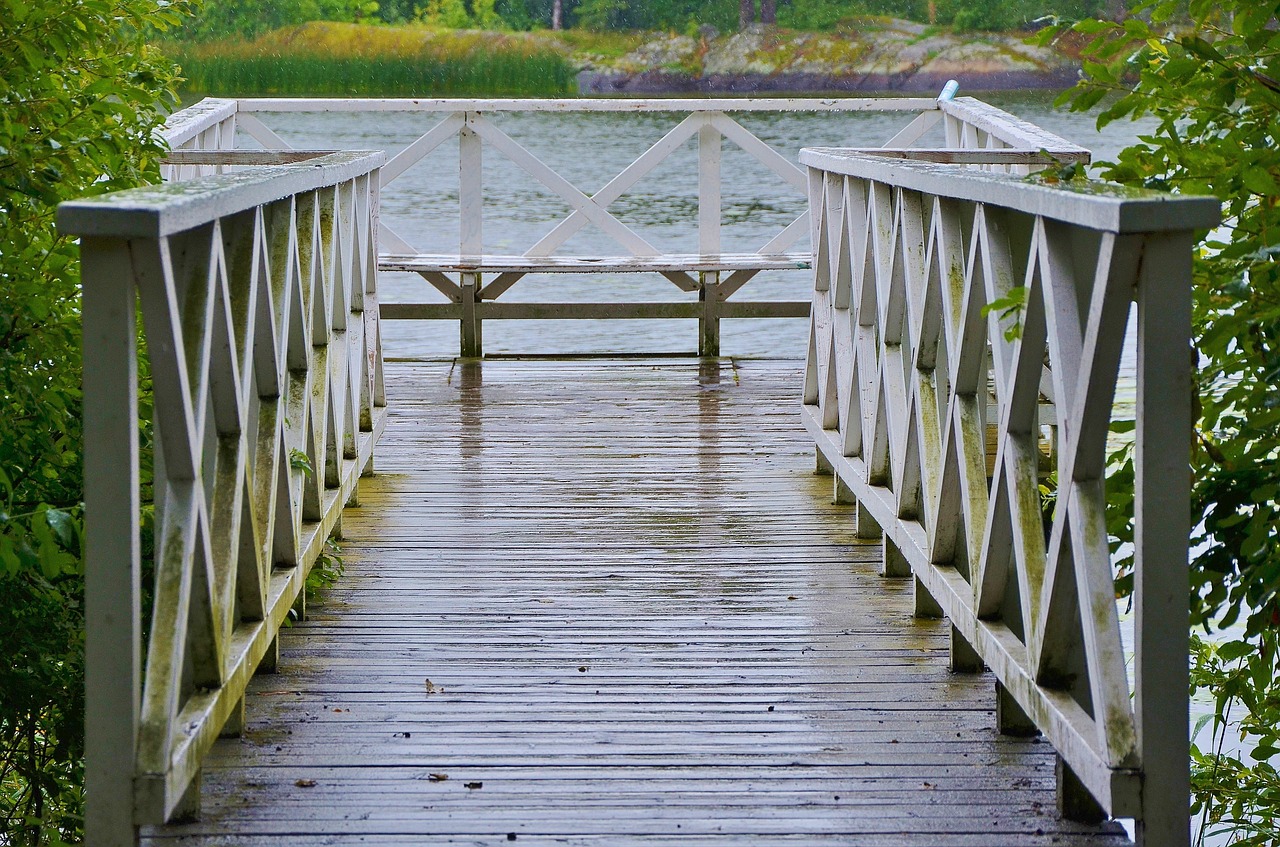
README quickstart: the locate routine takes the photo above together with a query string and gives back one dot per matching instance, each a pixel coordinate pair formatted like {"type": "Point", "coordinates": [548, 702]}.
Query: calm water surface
{"type": "Point", "coordinates": [588, 150]}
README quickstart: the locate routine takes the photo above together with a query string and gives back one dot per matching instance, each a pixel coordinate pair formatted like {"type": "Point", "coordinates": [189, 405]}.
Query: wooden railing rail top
{"type": "Point", "coordinates": [189, 124]}
{"type": "Point", "coordinates": [155, 211]}
{"type": "Point", "coordinates": [242, 157]}
{"type": "Point", "coordinates": [1090, 204]}
{"type": "Point", "coordinates": [974, 133]}
{"type": "Point", "coordinates": [968, 155]}
{"type": "Point", "coordinates": [258, 293]}
{"type": "Point", "coordinates": [927, 399]}
{"type": "Point", "coordinates": [983, 117]}
{"type": "Point", "coordinates": [587, 104]}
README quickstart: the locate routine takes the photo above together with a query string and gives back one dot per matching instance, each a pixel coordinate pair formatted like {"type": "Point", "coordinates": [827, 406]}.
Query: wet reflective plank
{"type": "Point", "coordinates": [609, 602]}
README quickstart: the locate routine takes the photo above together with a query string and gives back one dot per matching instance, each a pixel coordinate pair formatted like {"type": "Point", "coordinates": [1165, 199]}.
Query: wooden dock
{"type": "Point", "coordinates": [595, 602]}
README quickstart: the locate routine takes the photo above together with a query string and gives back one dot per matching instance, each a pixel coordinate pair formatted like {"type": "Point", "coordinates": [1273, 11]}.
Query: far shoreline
{"type": "Point", "coordinates": [596, 84]}
{"type": "Point", "coordinates": [883, 56]}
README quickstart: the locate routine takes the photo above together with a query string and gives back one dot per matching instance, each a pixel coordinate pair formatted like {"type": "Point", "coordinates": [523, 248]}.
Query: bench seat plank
{"type": "Point", "coordinates": [665, 263]}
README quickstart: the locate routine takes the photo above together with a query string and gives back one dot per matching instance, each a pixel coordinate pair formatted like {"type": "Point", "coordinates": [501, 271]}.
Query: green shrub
{"type": "Point", "coordinates": [220, 19]}
{"type": "Point", "coordinates": [83, 93]}
{"type": "Point", "coordinates": [1207, 73]}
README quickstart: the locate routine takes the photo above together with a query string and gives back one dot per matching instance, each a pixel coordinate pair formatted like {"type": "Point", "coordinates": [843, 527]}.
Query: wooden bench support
{"type": "Point", "coordinates": [470, 340]}
{"type": "Point", "coordinates": [709, 321]}
{"type": "Point", "coordinates": [714, 276]}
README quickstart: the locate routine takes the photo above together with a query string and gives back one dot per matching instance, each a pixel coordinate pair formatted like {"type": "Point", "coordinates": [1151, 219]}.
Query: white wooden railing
{"type": "Point", "coordinates": [471, 278]}
{"type": "Point", "coordinates": [942, 424]}
{"type": "Point", "coordinates": [259, 303]}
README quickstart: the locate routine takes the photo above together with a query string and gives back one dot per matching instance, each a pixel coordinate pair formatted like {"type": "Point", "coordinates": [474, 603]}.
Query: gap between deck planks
{"type": "Point", "coordinates": [643, 622]}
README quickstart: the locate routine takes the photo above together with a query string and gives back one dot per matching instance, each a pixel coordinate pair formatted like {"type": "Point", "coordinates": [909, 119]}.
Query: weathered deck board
{"type": "Point", "coordinates": [643, 623]}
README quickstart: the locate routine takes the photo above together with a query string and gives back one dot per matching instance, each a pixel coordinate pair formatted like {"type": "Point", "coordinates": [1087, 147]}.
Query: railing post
{"type": "Point", "coordinates": [709, 319]}
{"type": "Point", "coordinates": [469, 333]}
{"type": "Point", "coordinates": [470, 231]}
{"type": "Point", "coordinates": [112, 551]}
{"type": "Point", "coordinates": [1121, 755]}
{"type": "Point", "coordinates": [709, 143]}
{"type": "Point", "coordinates": [709, 139]}
{"type": "Point", "coordinates": [1162, 492]}
{"type": "Point", "coordinates": [145, 737]}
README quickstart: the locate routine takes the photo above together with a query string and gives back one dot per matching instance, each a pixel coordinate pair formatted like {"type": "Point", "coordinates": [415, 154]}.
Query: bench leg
{"type": "Point", "coordinates": [709, 321]}
{"type": "Point", "coordinates": [469, 332]}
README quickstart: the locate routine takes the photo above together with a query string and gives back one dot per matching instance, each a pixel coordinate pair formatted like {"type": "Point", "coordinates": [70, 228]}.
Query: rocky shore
{"type": "Point", "coordinates": [879, 54]}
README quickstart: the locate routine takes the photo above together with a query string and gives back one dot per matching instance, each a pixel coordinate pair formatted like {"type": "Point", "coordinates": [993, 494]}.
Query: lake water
{"type": "Point", "coordinates": [589, 149]}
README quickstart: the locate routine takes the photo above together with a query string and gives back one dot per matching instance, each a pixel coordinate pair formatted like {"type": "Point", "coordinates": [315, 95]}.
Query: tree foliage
{"type": "Point", "coordinates": [1209, 73]}
{"type": "Point", "coordinates": [81, 93]}
{"type": "Point", "coordinates": [248, 18]}
{"type": "Point", "coordinates": [221, 19]}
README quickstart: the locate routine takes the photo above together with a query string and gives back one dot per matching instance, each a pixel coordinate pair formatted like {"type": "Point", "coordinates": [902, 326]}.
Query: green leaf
{"type": "Point", "coordinates": [1260, 181]}
{"type": "Point", "coordinates": [1233, 650]}
{"type": "Point", "coordinates": [299, 461]}
{"type": "Point", "coordinates": [64, 527]}
{"type": "Point", "coordinates": [1200, 724]}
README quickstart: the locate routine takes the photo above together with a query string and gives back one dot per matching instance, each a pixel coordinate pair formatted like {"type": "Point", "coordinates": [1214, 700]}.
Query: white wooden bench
{"type": "Point", "coordinates": [472, 300]}
{"type": "Point", "coordinates": [974, 135]}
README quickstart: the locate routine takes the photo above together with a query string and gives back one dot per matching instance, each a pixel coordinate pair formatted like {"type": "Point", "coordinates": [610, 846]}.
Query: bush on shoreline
{"type": "Point", "coordinates": [84, 94]}
{"type": "Point", "coordinates": [344, 60]}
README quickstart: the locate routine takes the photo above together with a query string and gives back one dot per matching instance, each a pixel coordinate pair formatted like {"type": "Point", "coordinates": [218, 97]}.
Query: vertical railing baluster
{"type": "Point", "coordinates": [373, 330]}
{"type": "Point", "coordinates": [1060, 630]}
{"type": "Point", "coordinates": [1162, 489]}
{"type": "Point", "coordinates": [471, 232]}
{"type": "Point", "coordinates": [709, 155]}
{"type": "Point", "coordinates": [951, 131]}
{"type": "Point", "coordinates": [113, 608]}
{"type": "Point", "coordinates": [146, 729]}
{"type": "Point", "coordinates": [709, 205]}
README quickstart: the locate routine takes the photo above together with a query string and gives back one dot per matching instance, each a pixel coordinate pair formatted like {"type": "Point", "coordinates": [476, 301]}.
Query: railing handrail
{"type": "Point", "coordinates": [1083, 203]}
{"type": "Point", "coordinates": [586, 104]}
{"type": "Point", "coordinates": [911, 371]}
{"type": "Point", "coordinates": [154, 211]}
{"type": "Point", "coordinates": [188, 123]}
{"type": "Point", "coordinates": [989, 137]}
{"type": "Point", "coordinates": [259, 302]}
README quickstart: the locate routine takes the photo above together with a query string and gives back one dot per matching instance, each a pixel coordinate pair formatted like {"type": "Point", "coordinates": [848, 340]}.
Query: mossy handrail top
{"type": "Point", "coordinates": [156, 211]}
{"type": "Point", "coordinates": [1094, 205]}
{"type": "Point", "coordinates": [257, 292]}
{"type": "Point", "coordinates": [586, 104]}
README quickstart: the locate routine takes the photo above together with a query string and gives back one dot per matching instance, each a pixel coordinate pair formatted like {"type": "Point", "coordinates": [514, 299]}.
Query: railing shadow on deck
{"type": "Point", "coordinates": [260, 308]}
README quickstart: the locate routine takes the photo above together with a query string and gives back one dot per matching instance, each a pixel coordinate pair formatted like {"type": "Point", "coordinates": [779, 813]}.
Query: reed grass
{"type": "Point", "coordinates": [350, 60]}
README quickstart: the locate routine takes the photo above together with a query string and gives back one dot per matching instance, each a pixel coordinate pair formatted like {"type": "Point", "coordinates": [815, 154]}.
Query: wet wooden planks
{"type": "Point", "coordinates": [609, 603]}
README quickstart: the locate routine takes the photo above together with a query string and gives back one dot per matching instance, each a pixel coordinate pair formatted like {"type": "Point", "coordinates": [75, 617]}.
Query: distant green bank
{"type": "Point", "coordinates": [337, 60]}
{"type": "Point", "coordinates": [324, 59]}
